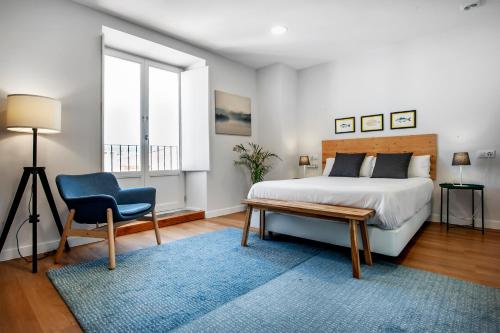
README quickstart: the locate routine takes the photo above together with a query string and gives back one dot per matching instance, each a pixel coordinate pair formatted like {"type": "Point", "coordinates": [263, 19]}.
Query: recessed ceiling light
{"type": "Point", "coordinates": [470, 5]}
{"type": "Point", "coordinates": [279, 30]}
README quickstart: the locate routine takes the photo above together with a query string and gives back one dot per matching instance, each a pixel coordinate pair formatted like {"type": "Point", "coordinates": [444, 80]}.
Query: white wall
{"type": "Point", "coordinates": [451, 79]}
{"type": "Point", "coordinates": [53, 48]}
{"type": "Point", "coordinates": [227, 184]}
{"type": "Point", "coordinates": [277, 95]}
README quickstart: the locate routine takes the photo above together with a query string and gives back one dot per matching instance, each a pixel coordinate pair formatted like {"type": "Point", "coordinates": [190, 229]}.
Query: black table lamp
{"type": "Point", "coordinates": [32, 114]}
{"type": "Point", "coordinates": [461, 159]}
{"type": "Point", "coordinates": [304, 162]}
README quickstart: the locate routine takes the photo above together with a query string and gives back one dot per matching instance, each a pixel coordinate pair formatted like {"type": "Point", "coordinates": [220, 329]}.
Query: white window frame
{"type": "Point", "coordinates": [145, 63]}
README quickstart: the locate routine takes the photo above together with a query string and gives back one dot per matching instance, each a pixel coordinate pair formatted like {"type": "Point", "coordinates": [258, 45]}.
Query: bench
{"type": "Point", "coordinates": [353, 216]}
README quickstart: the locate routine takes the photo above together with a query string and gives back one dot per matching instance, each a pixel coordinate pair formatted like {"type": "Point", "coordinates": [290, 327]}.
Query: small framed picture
{"type": "Point", "coordinates": [404, 119]}
{"type": "Point", "coordinates": [374, 122]}
{"type": "Point", "coordinates": [344, 125]}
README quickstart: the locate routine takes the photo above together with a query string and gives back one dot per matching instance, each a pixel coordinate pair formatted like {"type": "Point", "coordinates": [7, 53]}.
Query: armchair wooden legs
{"type": "Point", "coordinates": [64, 236]}
{"type": "Point", "coordinates": [111, 239]}
{"type": "Point", "coordinates": [157, 229]}
{"type": "Point", "coordinates": [106, 232]}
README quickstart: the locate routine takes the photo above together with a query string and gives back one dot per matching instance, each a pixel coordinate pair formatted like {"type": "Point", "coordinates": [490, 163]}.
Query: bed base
{"type": "Point", "coordinates": [382, 241]}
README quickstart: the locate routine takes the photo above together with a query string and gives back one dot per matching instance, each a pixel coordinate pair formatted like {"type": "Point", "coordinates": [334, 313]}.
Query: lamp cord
{"type": "Point", "coordinates": [19, 229]}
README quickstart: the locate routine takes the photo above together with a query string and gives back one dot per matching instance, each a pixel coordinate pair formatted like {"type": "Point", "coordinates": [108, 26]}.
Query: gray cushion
{"type": "Point", "coordinates": [392, 165]}
{"type": "Point", "coordinates": [347, 165]}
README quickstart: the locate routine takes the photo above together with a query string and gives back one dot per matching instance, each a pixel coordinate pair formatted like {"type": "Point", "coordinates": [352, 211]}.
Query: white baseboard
{"type": "Point", "coordinates": [11, 253]}
{"type": "Point", "coordinates": [488, 223]}
{"type": "Point", "coordinates": [224, 211]}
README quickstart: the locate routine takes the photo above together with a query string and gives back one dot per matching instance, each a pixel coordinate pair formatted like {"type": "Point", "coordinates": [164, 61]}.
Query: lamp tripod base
{"type": "Point", "coordinates": [40, 172]}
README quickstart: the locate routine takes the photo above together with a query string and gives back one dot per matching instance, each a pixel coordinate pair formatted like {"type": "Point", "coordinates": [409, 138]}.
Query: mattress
{"type": "Point", "coordinates": [394, 200]}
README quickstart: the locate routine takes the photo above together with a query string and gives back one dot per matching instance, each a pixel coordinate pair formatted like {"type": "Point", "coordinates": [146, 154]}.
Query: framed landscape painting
{"type": "Point", "coordinates": [232, 114]}
{"type": "Point", "coordinates": [404, 119]}
{"type": "Point", "coordinates": [344, 125]}
{"type": "Point", "coordinates": [374, 122]}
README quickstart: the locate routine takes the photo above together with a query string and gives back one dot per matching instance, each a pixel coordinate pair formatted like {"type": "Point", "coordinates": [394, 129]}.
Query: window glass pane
{"type": "Point", "coordinates": [122, 115]}
{"type": "Point", "coordinates": [163, 119]}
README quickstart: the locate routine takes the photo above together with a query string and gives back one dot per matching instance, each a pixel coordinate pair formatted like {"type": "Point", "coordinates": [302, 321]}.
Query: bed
{"type": "Point", "coordinates": [401, 205]}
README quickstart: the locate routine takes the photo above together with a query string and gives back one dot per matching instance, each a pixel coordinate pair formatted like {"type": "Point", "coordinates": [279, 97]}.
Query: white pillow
{"type": "Point", "coordinates": [420, 166]}
{"type": "Point", "coordinates": [365, 171]}
{"type": "Point", "coordinates": [328, 166]}
{"type": "Point", "coordinates": [367, 167]}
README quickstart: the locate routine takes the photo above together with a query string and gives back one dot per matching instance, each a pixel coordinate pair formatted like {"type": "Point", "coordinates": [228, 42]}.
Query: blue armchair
{"type": "Point", "coordinates": [97, 198]}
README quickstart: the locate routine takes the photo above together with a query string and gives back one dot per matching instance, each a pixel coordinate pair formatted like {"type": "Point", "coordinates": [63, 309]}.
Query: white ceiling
{"type": "Point", "coordinates": [318, 30]}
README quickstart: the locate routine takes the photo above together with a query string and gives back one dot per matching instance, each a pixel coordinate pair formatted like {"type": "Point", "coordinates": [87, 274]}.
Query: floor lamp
{"type": "Point", "coordinates": [32, 114]}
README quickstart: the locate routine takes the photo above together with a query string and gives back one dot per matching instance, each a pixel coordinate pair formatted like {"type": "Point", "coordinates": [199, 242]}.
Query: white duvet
{"type": "Point", "coordinates": [394, 200]}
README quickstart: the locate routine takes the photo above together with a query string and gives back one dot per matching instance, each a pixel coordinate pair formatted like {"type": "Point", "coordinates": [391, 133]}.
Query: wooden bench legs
{"type": "Point", "coordinates": [246, 227]}
{"type": "Point", "coordinates": [353, 231]}
{"type": "Point", "coordinates": [366, 244]}
{"type": "Point", "coordinates": [262, 225]}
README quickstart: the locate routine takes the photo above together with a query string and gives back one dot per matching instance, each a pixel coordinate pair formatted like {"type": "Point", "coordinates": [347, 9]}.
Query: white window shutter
{"type": "Point", "coordinates": [195, 125]}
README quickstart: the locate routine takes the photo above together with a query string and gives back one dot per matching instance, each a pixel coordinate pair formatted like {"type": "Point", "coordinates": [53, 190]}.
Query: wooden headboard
{"type": "Point", "coordinates": [425, 144]}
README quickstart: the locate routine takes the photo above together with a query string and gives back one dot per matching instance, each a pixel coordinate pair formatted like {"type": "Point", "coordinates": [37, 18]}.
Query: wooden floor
{"type": "Point", "coordinates": [29, 302]}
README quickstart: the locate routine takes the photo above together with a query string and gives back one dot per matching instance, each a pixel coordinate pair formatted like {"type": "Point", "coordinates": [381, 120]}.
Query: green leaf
{"type": "Point", "coordinates": [255, 159]}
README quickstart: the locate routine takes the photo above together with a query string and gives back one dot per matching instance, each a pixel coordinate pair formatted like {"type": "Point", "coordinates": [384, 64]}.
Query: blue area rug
{"type": "Point", "coordinates": [161, 287]}
{"type": "Point", "coordinates": [209, 283]}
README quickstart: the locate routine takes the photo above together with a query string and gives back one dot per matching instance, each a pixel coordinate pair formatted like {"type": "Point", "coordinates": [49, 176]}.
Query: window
{"type": "Point", "coordinates": [122, 115]}
{"type": "Point", "coordinates": [141, 115]}
{"type": "Point", "coordinates": [163, 119]}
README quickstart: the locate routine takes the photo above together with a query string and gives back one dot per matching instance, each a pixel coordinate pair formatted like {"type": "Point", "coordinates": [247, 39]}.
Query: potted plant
{"type": "Point", "coordinates": [254, 157]}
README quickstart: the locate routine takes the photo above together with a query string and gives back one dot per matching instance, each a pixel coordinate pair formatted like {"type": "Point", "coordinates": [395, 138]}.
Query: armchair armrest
{"type": "Point", "coordinates": [137, 195]}
{"type": "Point", "coordinates": [92, 208]}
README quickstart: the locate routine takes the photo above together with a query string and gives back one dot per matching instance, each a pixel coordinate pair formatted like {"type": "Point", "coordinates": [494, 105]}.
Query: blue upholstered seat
{"type": "Point", "coordinates": [132, 209]}
{"type": "Point", "coordinates": [92, 194]}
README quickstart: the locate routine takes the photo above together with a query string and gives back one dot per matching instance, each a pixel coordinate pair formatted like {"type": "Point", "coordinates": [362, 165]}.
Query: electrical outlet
{"type": "Point", "coordinates": [487, 153]}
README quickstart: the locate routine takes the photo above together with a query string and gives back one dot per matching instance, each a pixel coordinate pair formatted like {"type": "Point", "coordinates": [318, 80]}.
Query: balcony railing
{"type": "Point", "coordinates": [127, 158]}
{"type": "Point", "coordinates": [163, 158]}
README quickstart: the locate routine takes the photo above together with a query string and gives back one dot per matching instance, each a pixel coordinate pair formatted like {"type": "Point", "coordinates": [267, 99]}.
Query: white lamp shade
{"type": "Point", "coordinates": [25, 112]}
